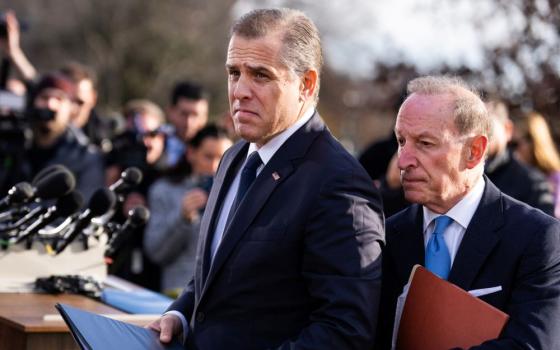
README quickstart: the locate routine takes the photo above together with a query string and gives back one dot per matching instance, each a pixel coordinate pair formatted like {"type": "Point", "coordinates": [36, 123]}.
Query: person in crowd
{"type": "Point", "coordinates": [377, 156]}
{"type": "Point", "coordinates": [385, 174]}
{"type": "Point", "coordinates": [512, 177]}
{"type": "Point", "coordinates": [290, 240]}
{"type": "Point", "coordinates": [462, 227]}
{"type": "Point", "coordinates": [379, 160]}
{"type": "Point", "coordinates": [55, 140]}
{"type": "Point", "coordinates": [177, 202]}
{"type": "Point", "coordinates": [99, 130]}
{"type": "Point", "coordinates": [187, 114]}
{"type": "Point", "coordinates": [536, 147]}
{"type": "Point", "coordinates": [141, 145]}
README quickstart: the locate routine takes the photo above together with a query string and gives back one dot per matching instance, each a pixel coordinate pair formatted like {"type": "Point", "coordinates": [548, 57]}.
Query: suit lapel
{"type": "Point", "coordinates": [278, 169]}
{"type": "Point", "coordinates": [222, 181]}
{"type": "Point", "coordinates": [482, 234]}
{"type": "Point", "coordinates": [409, 240]}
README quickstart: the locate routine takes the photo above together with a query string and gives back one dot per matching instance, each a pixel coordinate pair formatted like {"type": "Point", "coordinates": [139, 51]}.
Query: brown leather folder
{"type": "Point", "coordinates": [439, 315]}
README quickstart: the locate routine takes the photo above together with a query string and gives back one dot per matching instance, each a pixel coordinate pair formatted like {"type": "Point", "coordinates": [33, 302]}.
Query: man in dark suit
{"type": "Point", "coordinates": [505, 249]}
{"type": "Point", "coordinates": [295, 262]}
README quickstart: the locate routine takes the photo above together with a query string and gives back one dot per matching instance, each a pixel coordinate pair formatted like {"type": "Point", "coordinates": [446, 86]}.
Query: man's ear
{"type": "Point", "coordinates": [308, 84]}
{"type": "Point", "coordinates": [476, 151]}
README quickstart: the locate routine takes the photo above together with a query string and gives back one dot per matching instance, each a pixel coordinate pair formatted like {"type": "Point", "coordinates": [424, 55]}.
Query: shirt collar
{"type": "Point", "coordinates": [268, 149]}
{"type": "Point", "coordinates": [463, 211]}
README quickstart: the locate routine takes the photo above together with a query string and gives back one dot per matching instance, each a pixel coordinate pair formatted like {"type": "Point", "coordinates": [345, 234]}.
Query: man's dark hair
{"type": "Point", "coordinates": [55, 80]}
{"type": "Point", "coordinates": [300, 37]}
{"type": "Point", "coordinates": [209, 130]}
{"type": "Point", "coordinates": [78, 72]}
{"type": "Point", "coordinates": [188, 90]}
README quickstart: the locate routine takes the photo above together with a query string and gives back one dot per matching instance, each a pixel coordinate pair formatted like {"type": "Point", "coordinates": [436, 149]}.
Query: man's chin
{"type": "Point", "coordinates": [249, 135]}
{"type": "Point", "coordinates": [414, 196]}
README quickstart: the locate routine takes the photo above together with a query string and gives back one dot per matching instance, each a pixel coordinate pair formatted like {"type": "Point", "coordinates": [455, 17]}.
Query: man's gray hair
{"type": "Point", "coordinates": [301, 42]}
{"type": "Point", "coordinates": [469, 111]}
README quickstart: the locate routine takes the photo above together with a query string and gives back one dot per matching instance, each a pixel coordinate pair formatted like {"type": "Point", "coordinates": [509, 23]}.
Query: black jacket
{"type": "Point", "coordinates": [520, 181]}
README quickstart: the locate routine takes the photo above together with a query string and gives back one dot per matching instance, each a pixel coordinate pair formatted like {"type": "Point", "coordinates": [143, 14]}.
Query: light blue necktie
{"type": "Point", "coordinates": [438, 259]}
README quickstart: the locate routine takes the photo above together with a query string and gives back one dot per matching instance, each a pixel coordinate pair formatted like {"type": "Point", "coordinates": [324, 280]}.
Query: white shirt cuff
{"type": "Point", "coordinates": [183, 322]}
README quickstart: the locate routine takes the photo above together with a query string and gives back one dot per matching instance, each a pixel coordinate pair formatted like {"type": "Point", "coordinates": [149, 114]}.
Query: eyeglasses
{"type": "Point", "coordinates": [151, 133]}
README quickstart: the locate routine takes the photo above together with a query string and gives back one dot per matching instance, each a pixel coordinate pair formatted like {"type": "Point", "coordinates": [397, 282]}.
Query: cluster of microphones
{"type": "Point", "coordinates": [49, 210]}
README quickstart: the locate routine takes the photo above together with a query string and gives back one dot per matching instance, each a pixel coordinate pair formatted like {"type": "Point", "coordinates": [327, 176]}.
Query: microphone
{"type": "Point", "coordinates": [51, 186]}
{"type": "Point", "coordinates": [130, 177]}
{"type": "Point", "coordinates": [137, 217]}
{"type": "Point", "coordinates": [65, 206]}
{"type": "Point", "coordinates": [19, 194]}
{"type": "Point", "coordinates": [35, 212]}
{"type": "Point", "coordinates": [54, 185]}
{"type": "Point", "coordinates": [55, 168]}
{"type": "Point", "coordinates": [101, 202]}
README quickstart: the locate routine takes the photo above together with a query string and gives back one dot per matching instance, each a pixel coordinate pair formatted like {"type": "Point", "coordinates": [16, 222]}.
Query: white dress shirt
{"type": "Point", "coordinates": [461, 214]}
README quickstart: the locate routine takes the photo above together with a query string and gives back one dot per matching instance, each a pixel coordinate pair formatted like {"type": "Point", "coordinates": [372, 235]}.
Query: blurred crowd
{"type": "Point", "coordinates": [51, 118]}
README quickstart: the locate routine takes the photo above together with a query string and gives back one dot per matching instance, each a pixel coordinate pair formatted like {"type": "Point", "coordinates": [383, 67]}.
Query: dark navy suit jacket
{"type": "Point", "coordinates": [299, 266]}
{"type": "Point", "coordinates": [507, 244]}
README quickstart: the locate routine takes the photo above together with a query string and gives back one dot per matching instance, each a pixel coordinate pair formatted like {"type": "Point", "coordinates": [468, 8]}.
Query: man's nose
{"type": "Point", "coordinates": [406, 157]}
{"type": "Point", "coordinates": [52, 103]}
{"type": "Point", "coordinates": [147, 141]}
{"type": "Point", "coordinates": [242, 89]}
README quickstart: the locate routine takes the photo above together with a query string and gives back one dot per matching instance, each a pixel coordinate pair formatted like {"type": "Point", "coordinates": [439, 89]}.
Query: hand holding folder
{"type": "Point", "coordinates": [439, 315]}
{"type": "Point", "coordinates": [93, 332]}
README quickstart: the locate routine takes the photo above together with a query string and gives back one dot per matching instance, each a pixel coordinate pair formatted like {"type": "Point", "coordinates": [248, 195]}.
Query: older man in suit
{"type": "Point", "coordinates": [293, 260]}
{"type": "Point", "coordinates": [462, 227]}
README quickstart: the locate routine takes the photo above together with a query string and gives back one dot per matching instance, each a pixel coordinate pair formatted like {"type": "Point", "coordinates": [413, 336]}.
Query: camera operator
{"type": "Point", "coordinates": [176, 204]}
{"type": "Point", "coordinates": [100, 129]}
{"type": "Point", "coordinates": [54, 140]}
{"type": "Point", "coordinates": [141, 145]}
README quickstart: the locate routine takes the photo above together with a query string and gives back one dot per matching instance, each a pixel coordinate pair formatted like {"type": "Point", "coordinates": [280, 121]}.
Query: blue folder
{"type": "Point", "coordinates": [95, 332]}
{"type": "Point", "coordinates": [136, 302]}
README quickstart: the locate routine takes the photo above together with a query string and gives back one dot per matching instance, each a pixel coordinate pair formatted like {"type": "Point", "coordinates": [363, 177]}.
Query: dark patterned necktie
{"type": "Point", "coordinates": [248, 175]}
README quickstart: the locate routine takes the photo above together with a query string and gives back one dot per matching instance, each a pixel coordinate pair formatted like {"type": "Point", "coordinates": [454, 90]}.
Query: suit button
{"type": "Point", "coordinates": [200, 317]}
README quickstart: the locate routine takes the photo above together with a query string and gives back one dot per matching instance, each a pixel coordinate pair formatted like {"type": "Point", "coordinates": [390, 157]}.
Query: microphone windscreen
{"type": "Point", "coordinates": [69, 204]}
{"type": "Point", "coordinates": [55, 168]}
{"type": "Point", "coordinates": [101, 201]}
{"type": "Point", "coordinates": [132, 176]}
{"type": "Point", "coordinates": [55, 185]}
{"type": "Point", "coordinates": [139, 215]}
{"type": "Point", "coordinates": [22, 192]}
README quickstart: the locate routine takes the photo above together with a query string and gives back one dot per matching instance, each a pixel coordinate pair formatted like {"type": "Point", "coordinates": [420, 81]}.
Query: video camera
{"type": "Point", "coordinates": [16, 118]}
{"type": "Point", "coordinates": [128, 150]}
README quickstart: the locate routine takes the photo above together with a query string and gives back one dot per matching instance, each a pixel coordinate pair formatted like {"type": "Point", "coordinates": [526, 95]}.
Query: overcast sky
{"type": "Point", "coordinates": [426, 33]}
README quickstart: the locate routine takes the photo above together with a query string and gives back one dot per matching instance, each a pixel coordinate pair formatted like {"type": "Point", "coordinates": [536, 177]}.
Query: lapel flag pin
{"type": "Point", "coordinates": [275, 176]}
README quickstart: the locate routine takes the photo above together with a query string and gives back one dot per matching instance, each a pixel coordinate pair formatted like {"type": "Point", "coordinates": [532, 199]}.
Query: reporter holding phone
{"type": "Point", "coordinates": [176, 202]}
